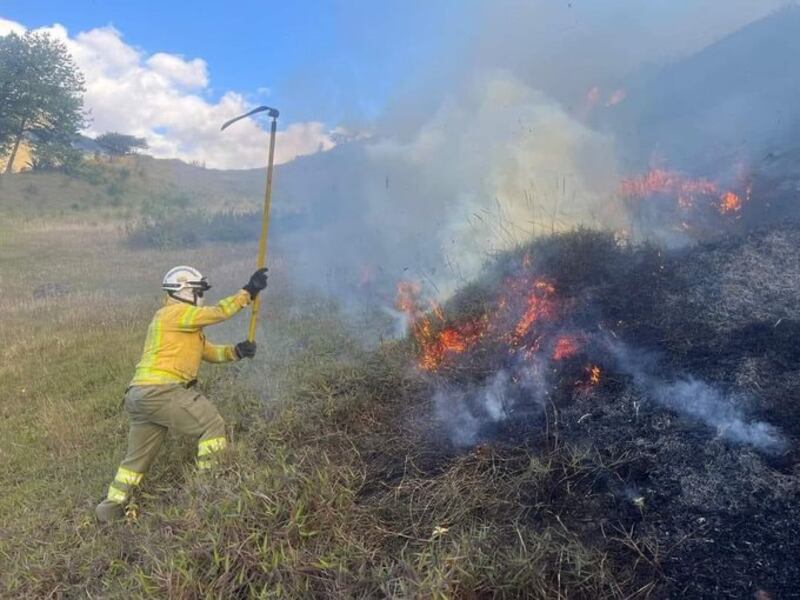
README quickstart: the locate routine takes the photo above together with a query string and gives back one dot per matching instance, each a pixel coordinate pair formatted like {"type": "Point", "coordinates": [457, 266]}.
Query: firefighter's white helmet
{"type": "Point", "coordinates": [186, 284]}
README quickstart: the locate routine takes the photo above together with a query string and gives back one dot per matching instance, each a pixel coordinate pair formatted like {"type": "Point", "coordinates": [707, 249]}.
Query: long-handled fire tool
{"type": "Point", "coordinates": [262, 243]}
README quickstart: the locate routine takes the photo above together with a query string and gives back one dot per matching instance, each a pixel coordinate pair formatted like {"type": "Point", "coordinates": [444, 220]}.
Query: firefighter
{"type": "Point", "coordinates": [162, 394]}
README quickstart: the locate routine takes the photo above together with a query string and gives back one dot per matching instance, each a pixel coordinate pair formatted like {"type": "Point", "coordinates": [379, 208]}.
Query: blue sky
{"type": "Point", "coordinates": [172, 71]}
{"type": "Point", "coordinates": [332, 61]}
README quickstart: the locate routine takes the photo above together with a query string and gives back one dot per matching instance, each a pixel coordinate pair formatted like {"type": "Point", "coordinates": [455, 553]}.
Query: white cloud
{"type": "Point", "coordinates": [160, 97]}
{"type": "Point", "coordinates": [7, 27]}
{"type": "Point", "coordinates": [191, 74]}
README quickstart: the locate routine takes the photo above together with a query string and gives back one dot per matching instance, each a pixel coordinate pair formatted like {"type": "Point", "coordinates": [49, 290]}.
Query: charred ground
{"type": "Point", "coordinates": [693, 512]}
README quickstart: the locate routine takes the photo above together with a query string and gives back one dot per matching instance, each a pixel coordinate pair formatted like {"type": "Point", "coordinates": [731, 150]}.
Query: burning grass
{"type": "Point", "coordinates": [665, 201]}
{"type": "Point", "coordinates": [641, 354]}
{"type": "Point", "coordinates": [345, 479]}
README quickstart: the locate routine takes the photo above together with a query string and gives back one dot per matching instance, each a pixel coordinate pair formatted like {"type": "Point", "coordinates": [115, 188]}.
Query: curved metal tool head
{"type": "Point", "coordinates": [272, 112]}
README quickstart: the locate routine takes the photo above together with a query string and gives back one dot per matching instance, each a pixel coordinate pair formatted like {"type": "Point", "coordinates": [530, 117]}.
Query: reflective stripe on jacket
{"type": "Point", "coordinates": [175, 343]}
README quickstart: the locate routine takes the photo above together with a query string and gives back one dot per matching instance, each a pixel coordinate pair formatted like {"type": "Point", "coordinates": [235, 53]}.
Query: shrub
{"type": "Point", "coordinates": [161, 228]}
{"type": "Point", "coordinates": [115, 191]}
{"type": "Point", "coordinates": [91, 173]}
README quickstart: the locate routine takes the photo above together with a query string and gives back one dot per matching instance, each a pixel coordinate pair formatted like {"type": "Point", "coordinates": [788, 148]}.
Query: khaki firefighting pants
{"type": "Point", "coordinates": [154, 410]}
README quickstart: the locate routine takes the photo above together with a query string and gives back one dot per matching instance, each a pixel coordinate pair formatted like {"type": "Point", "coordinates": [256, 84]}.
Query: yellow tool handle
{"type": "Point", "coordinates": [262, 243]}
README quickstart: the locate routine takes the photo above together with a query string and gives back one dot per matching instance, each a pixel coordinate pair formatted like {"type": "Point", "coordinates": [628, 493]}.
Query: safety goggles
{"type": "Point", "coordinates": [200, 287]}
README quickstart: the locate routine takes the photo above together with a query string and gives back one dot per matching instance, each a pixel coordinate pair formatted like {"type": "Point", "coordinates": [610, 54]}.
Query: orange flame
{"type": "Point", "coordinates": [516, 318]}
{"type": "Point", "coordinates": [435, 348]}
{"type": "Point", "coordinates": [407, 299]}
{"type": "Point", "coordinates": [730, 203]}
{"type": "Point", "coordinates": [436, 340]}
{"type": "Point", "coordinates": [661, 181]}
{"type": "Point", "coordinates": [685, 190]}
{"type": "Point", "coordinates": [566, 347]}
{"type": "Point", "coordinates": [539, 304]}
{"type": "Point", "coordinates": [434, 345]}
{"type": "Point", "coordinates": [594, 374]}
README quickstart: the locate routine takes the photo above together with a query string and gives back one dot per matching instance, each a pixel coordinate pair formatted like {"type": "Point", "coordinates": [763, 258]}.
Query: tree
{"type": "Point", "coordinates": [41, 98]}
{"type": "Point", "coordinates": [119, 144]}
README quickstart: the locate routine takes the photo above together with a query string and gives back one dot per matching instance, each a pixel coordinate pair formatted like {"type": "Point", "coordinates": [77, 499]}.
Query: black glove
{"type": "Point", "coordinates": [258, 281]}
{"type": "Point", "coordinates": [245, 349]}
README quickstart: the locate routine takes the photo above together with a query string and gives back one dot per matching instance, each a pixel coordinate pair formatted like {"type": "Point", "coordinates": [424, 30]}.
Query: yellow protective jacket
{"type": "Point", "coordinates": [175, 342]}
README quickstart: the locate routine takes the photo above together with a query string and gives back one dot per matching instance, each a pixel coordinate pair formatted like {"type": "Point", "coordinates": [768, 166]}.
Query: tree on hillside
{"type": "Point", "coordinates": [41, 98]}
{"type": "Point", "coordinates": [119, 144]}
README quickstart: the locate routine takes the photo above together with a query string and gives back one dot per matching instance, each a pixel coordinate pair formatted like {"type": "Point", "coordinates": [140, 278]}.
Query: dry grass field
{"type": "Point", "coordinates": [341, 481]}
{"type": "Point", "coordinates": [299, 509]}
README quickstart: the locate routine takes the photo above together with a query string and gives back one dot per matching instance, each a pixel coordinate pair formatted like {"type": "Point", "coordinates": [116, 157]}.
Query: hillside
{"type": "Point", "coordinates": [121, 187]}
{"type": "Point", "coordinates": [732, 101]}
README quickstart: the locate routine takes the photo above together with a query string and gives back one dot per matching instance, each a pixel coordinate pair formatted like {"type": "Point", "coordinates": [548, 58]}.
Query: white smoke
{"type": "Point", "coordinates": [492, 166]}
{"type": "Point", "coordinates": [510, 162]}
{"type": "Point", "coordinates": [465, 411]}
{"type": "Point", "coordinates": [701, 401]}
{"type": "Point", "coordinates": [521, 390]}
{"type": "Point", "coordinates": [696, 399]}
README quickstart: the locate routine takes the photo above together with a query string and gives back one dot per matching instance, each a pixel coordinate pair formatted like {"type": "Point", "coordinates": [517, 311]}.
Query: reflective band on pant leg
{"type": "Point", "coordinates": [206, 447]}
{"type": "Point", "coordinates": [116, 495]}
{"type": "Point", "coordinates": [207, 451]}
{"type": "Point", "coordinates": [128, 477]}
{"type": "Point", "coordinates": [119, 489]}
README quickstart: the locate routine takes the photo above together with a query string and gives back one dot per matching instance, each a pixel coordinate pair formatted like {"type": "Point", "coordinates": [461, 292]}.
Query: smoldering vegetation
{"type": "Point", "coordinates": [687, 151]}
{"type": "Point", "coordinates": [690, 409]}
{"type": "Point", "coordinates": [470, 464]}
{"type": "Point", "coordinates": [349, 477]}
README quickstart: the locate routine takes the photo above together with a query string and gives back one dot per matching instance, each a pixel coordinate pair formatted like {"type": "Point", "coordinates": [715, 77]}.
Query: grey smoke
{"type": "Point", "coordinates": [705, 403]}
{"type": "Point", "coordinates": [491, 149]}
{"type": "Point", "coordinates": [695, 399]}
{"type": "Point", "coordinates": [465, 411]}
{"type": "Point", "coordinates": [564, 48]}
{"type": "Point", "coordinates": [495, 164]}
{"type": "Point", "coordinates": [492, 145]}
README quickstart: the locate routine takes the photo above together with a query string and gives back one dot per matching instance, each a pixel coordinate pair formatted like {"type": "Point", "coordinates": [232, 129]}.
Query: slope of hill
{"type": "Point", "coordinates": [733, 101]}
{"type": "Point", "coordinates": [122, 186]}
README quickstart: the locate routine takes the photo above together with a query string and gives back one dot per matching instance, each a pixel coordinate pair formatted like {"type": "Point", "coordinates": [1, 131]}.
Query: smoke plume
{"type": "Point", "coordinates": [489, 169]}
{"type": "Point", "coordinates": [517, 393]}
{"type": "Point", "coordinates": [530, 129]}
{"type": "Point", "coordinates": [695, 399]}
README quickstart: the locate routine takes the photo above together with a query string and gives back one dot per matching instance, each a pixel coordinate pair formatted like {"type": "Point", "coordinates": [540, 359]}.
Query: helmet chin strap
{"type": "Point", "coordinates": [174, 296]}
